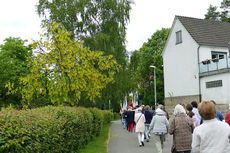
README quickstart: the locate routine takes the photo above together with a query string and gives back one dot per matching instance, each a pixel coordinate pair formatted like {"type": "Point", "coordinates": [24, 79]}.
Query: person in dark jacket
{"type": "Point", "coordinates": [153, 110]}
{"type": "Point", "coordinates": [148, 119]}
{"type": "Point", "coordinates": [130, 119]}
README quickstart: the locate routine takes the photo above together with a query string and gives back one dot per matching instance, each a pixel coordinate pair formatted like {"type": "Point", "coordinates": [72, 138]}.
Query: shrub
{"type": "Point", "coordinates": [50, 129]}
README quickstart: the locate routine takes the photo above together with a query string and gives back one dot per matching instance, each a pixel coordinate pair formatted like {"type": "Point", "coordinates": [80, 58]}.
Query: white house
{"type": "Point", "coordinates": [196, 61]}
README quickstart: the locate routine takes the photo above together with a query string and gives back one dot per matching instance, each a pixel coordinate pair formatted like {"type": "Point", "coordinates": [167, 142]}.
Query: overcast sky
{"type": "Point", "coordinates": [19, 19]}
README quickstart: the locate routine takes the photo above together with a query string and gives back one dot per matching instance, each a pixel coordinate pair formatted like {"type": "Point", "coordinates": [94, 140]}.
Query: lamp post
{"type": "Point", "coordinates": [155, 94]}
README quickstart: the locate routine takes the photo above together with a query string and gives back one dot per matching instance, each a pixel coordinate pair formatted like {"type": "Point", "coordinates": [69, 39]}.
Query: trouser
{"type": "Point", "coordinates": [158, 140]}
{"type": "Point", "coordinates": [140, 137]}
{"type": "Point", "coordinates": [124, 122]}
{"type": "Point", "coordinates": [130, 127]}
{"type": "Point", "coordinates": [146, 131]}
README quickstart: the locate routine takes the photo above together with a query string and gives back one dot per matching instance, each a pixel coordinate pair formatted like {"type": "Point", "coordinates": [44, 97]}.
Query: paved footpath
{"type": "Point", "coordinates": [123, 141]}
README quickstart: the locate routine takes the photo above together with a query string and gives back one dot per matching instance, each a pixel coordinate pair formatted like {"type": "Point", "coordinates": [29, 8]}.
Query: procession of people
{"type": "Point", "coordinates": [196, 128]}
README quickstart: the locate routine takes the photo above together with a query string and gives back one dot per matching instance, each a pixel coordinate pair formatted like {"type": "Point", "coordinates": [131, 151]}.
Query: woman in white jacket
{"type": "Point", "coordinates": [159, 125]}
{"type": "Point", "coordinates": [140, 126]}
{"type": "Point", "coordinates": [212, 136]}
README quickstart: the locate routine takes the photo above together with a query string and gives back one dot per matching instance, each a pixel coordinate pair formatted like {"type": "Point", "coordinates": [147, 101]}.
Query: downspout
{"type": "Point", "coordinates": [198, 58]}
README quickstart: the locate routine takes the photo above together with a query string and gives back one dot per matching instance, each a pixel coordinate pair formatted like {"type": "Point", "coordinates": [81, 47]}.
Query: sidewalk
{"type": "Point", "coordinates": [123, 141]}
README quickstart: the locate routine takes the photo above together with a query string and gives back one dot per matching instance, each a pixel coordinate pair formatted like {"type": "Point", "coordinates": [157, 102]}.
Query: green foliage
{"type": "Point", "coordinates": [14, 57]}
{"type": "Point", "coordinates": [87, 19]}
{"type": "Point", "coordinates": [48, 129]}
{"type": "Point", "coordinates": [98, 121]}
{"type": "Point", "coordinates": [64, 69]}
{"type": "Point", "coordinates": [116, 116]}
{"type": "Point", "coordinates": [150, 54]}
{"type": "Point", "coordinates": [222, 14]}
{"type": "Point", "coordinates": [101, 25]}
{"type": "Point", "coordinates": [212, 13]}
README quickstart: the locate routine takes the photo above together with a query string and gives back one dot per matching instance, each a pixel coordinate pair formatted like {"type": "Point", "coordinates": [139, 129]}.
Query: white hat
{"type": "Point", "coordinates": [139, 109]}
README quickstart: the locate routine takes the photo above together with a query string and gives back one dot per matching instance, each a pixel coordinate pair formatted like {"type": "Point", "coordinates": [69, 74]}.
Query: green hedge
{"type": "Point", "coordinates": [50, 129]}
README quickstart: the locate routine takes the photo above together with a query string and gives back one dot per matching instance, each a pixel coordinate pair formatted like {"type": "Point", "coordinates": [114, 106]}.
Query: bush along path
{"type": "Point", "coordinates": [50, 129]}
{"type": "Point", "coordinates": [123, 141]}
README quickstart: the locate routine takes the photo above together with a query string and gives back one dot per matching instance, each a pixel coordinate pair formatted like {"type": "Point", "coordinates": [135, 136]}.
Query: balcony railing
{"type": "Point", "coordinates": [214, 64]}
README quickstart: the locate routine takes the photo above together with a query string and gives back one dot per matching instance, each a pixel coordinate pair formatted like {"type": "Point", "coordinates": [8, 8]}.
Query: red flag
{"type": "Point", "coordinates": [130, 103]}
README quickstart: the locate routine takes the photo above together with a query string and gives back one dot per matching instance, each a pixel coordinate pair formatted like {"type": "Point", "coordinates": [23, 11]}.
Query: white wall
{"type": "Point", "coordinates": [205, 51]}
{"type": "Point", "coordinates": [180, 64]}
{"type": "Point", "coordinates": [220, 94]}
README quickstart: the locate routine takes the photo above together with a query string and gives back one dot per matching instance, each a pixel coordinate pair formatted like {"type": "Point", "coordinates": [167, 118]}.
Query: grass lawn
{"type": "Point", "coordinates": [100, 143]}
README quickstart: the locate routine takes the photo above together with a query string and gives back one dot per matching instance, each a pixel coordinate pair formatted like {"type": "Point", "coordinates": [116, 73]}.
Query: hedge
{"type": "Point", "coordinates": [50, 129]}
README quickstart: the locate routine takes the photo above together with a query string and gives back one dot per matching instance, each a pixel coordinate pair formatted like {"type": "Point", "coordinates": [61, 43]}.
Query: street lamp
{"type": "Point", "coordinates": [155, 94]}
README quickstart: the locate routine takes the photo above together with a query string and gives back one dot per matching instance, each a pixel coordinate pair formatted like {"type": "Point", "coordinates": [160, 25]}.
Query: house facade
{"type": "Point", "coordinates": [196, 63]}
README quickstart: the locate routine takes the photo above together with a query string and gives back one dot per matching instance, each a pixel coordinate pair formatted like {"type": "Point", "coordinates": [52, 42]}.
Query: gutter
{"type": "Point", "coordinates": [198, 58]}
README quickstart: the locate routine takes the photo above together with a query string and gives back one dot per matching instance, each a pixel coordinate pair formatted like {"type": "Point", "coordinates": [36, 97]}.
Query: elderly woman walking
{"type": "Point", "coordinates": [181, 128]}
{"type": "Point", "coordinates": [159, 125]}
{"type": "Point", "coordinates": [212, 136]}
{"type": "Point", "coordinates": [140, 126]}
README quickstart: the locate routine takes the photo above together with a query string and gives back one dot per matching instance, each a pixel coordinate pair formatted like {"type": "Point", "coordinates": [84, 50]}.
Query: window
{"type": "Point", "coordinates": [212, 84]}
{"type": "Point", "coordinates": [178, 37]}
{"type": "Point", "coordinates": [218, 55]}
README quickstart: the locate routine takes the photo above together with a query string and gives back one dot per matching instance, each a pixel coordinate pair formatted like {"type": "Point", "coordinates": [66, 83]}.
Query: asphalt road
{"type": "Point", "coordinates": [123, 141]}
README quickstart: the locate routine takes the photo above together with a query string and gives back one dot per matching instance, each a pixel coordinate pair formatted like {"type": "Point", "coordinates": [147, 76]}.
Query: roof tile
{"type": "Point", "coordinates": [207, 32]}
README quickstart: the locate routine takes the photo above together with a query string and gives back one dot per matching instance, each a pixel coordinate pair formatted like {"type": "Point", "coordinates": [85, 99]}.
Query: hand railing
{"type": "Point", "coordinates": [214, 64]}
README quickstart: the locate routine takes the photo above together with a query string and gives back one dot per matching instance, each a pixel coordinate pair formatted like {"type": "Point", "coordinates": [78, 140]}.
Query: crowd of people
{"type": "Point", "coordinates": [195, 128]}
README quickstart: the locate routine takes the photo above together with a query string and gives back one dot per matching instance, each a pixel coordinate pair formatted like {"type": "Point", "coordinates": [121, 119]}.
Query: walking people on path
{"type": "Point", "coordinates": [140, 126]}
{"type": "Point", "coordinates": [130, 119]}
{"type": "Point", "coordinates": [162, 107]}
{"type": "Point", "coordinates": [219, 115]}
{"type": "Point", "coordinates": [148, 118]}
{"type": "Point", "coordinates": [153, 110]}
{"type": "Point", "coordinates": [159, 125]}
{"type": "Point", "coordinates": [181, 128]}
{"type": "Point", "coordinates": [227, 118]}
{"type": "Point", "coordinates": [195, 119]}
{"type": "Point", "coordinates": [124, 118]}
{"type": "Point", "coordinates": [195, 110]}
{"type": "Point", "coordinates": [212, 136]}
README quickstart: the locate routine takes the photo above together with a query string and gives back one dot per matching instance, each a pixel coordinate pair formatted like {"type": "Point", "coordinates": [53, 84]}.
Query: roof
{"type": "Point", "coordinates": [207, 32]}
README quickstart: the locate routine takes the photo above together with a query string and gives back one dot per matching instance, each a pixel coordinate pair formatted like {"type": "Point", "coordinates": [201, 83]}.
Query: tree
{"type": "Point", "coordinates": [225, 13]}
{"type": "Point", "coordinates": [93, 21]}
{"type": "Point", "coordinates": [133, 68]}
{"type": "Point", "coordinates": [101, 25]}
{"type": "Point", "coordinates": [222, 15]}
{"type": "Point", "coordinates": [14, 57]}
{"type": "Point", "coordinates": [150, 54]}
{"type": "Point", "coordinates": [70, 68]}
{"type": "Point", "coordinates": [212, 13]}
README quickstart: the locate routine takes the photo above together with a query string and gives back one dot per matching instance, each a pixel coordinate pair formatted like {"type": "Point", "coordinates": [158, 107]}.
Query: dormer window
{"type": "Point", "coordinates": [178, 37]}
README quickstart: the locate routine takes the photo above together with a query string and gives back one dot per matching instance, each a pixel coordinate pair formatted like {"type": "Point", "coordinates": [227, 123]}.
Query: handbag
{"type": "Point", "coordinates": [173, 149]}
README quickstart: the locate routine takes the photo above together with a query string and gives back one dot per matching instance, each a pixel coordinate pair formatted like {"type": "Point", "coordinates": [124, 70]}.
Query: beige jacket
{"type": "Point", "coordinates": [140, 124]}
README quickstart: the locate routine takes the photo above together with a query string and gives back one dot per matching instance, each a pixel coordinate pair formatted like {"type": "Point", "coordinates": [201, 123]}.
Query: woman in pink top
{"type": "Point", "coordinates": [195, 120]}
